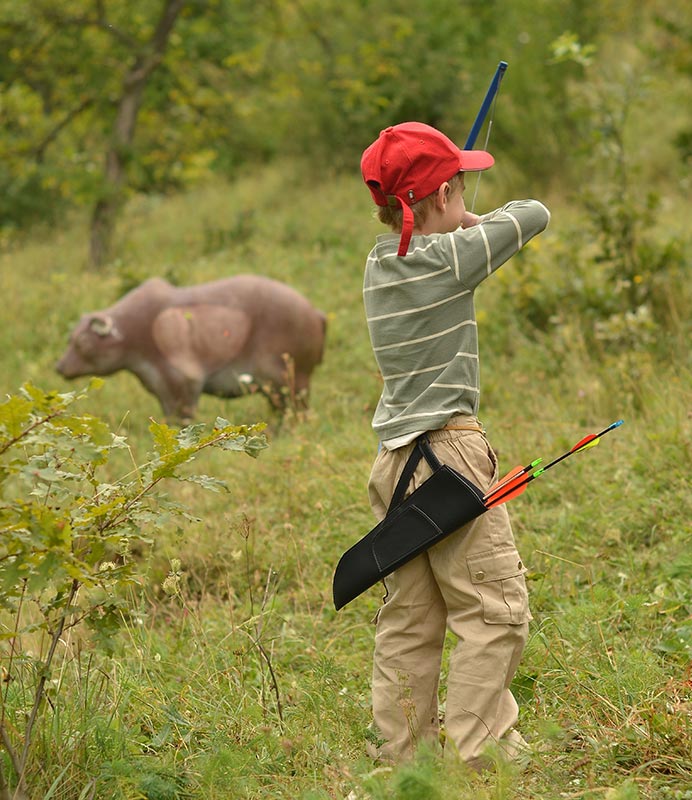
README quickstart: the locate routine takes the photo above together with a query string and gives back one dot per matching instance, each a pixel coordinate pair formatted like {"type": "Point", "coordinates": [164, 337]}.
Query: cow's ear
{"type": "Point", "coordinates": [103, 326]}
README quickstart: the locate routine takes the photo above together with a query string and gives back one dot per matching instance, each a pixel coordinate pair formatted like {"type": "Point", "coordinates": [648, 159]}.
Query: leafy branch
{"type": "Point", "coordinates": [68, 535]}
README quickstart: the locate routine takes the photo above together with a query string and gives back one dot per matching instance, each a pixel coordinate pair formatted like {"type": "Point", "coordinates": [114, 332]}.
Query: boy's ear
{"type": "Point", "coordinates": [442, 195]}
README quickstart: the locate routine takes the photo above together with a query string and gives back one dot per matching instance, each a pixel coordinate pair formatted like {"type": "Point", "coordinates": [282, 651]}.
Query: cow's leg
{"type": "Point", "coordinates": [177, 393]}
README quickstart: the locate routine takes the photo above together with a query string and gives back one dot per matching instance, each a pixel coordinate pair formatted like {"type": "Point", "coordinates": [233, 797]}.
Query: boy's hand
{"type": "Point", "coordinates": [469, 220]}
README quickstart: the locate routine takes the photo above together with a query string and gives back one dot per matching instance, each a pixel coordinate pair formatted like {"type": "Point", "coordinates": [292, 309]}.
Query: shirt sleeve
{"type": "Point", "coordinates": [476, 252]}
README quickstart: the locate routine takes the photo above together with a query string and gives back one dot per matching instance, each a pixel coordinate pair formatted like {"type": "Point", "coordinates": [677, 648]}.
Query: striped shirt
{"type": "Point", "coordinates": [422, 321]}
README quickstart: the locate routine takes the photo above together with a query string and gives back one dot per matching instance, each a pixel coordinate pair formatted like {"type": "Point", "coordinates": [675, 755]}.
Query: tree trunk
{"type": "Point", "coordinates": [108, 205]}
{"type": "Point", "coordinates": [105, 213]}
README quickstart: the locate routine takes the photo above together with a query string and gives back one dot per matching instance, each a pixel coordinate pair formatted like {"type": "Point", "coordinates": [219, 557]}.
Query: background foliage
{"type": "Point", "coordinates": [244, 81]}
{"type": "Point", "coordinates": [228, 674]}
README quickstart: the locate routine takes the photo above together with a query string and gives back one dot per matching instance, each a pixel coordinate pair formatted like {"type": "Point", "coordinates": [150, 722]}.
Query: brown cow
{"type": "Point", "coordinates": [219, 338]}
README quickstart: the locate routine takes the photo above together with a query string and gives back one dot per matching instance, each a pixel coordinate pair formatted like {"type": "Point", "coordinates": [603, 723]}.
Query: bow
{"type": "Point", "coordinates": [490, 96]}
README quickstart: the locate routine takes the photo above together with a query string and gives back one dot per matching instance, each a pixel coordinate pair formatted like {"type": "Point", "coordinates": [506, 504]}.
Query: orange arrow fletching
{"type": "Point", "coordinates": [504, 480]}
{"type": "Point", "coordinates": [511, 489]}
{"type": "Point", "coordinates": [502, 497]}
{"type": "Point", "coordinates": [510, 484]}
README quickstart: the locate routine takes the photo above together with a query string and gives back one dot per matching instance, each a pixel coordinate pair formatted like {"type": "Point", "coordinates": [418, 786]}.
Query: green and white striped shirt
{"type": "Point", "coordinates": [422, 320]}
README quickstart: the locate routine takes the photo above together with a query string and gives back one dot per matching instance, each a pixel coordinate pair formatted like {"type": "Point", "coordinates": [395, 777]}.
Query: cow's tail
{"type": "Point", "coordinates": [323, 318]}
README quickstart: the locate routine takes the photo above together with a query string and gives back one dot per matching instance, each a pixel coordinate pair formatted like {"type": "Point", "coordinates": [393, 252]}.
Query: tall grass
{"type": "Point", "coordinates": [236, 677]}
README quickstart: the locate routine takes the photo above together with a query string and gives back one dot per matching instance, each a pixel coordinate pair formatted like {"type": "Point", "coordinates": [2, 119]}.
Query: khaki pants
{"type": "Point", "coordinates": [472, 583]}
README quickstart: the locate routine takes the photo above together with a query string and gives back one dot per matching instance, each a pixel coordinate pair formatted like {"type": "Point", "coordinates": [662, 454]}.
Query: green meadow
{"type": "Point", "coordinates": [229, 674]}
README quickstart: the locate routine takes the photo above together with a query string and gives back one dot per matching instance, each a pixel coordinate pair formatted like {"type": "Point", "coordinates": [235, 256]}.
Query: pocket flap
{"type": "Point", "coordinates": [495, 565]}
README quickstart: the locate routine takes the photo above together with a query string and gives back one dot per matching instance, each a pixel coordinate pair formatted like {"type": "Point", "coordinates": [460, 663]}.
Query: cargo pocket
{"type": "Point", "coordinates": [498, 577]}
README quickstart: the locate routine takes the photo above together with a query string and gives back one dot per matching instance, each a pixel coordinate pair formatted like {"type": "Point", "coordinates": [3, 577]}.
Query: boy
{"type": "Point", "coordinates": [418, 293]}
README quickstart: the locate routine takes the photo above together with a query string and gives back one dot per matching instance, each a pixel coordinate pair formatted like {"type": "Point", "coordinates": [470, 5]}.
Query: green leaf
{"type": "Point", "coordinates": [48, 474]}
{"type": "Point", "coordinates": [91, 513]}
{"type": "Point", "coordinates": [47, 403]}
{"type": "Point", "coordinates": [49, 571]}
{"type": "Point", "coordinates": [207, 482]}
{"type": "Point", "coordinates": [13, 572]}
{"type": "Point", "coordinates": [168, 465]}
{"type": "Point", "coordinates": [14, 416]}
{"type": "Point", "coordinates": [255, 445]}
{"type": "Point", "coordinates": [252, 445]}
{"type": "Point", "coordinates": [86, 425]}
{"type": "Point", "coordinates": [237, 443]}
{"type": "Point", "coordinates": [164, 437]}
{"type": "Point", "coordinates": [191, 435]}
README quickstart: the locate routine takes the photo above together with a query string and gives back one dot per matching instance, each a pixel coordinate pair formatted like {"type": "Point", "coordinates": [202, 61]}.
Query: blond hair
{"type": "Point", "coordinates": [393, 217]}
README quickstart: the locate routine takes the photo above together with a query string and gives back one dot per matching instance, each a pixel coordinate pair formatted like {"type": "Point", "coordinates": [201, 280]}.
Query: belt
{"type": "Point", "coordinates": [463, 428]}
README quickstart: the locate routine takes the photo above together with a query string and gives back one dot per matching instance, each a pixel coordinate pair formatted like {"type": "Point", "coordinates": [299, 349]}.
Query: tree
{"type": "Point", "coordinates": [99, 98]}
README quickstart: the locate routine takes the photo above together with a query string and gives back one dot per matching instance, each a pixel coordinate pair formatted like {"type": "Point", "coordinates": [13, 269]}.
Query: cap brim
{"type": "Point", "coordinates": [475, 160]}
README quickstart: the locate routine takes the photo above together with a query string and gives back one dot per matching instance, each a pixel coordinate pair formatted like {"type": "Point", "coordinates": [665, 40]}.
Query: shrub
{"type": "Point", "coordinates": [69, 530]}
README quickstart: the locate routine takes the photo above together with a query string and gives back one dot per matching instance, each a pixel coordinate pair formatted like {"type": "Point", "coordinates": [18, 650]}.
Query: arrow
{"type": "Point", "coordinates": [508, 489]}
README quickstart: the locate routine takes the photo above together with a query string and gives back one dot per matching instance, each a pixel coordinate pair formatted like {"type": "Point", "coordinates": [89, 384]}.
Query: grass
{"type": "Point", "coordinates": [242, 681]}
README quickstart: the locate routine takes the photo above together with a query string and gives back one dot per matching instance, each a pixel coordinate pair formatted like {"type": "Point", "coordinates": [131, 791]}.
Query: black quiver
{"type": "Point", "coordinates": [441, 505]}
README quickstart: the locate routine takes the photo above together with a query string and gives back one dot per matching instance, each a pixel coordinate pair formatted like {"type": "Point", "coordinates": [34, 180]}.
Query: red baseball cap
{"type": "Point", "coordinates": [411, 160]}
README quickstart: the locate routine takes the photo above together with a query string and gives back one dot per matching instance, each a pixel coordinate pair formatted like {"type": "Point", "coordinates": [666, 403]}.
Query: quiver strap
{"type": "Point", "coordinates": [422, 449]}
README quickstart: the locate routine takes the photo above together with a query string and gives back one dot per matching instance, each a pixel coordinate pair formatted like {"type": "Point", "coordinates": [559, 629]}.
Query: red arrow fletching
{"type": "Point", "coordinates": [583, 442]}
